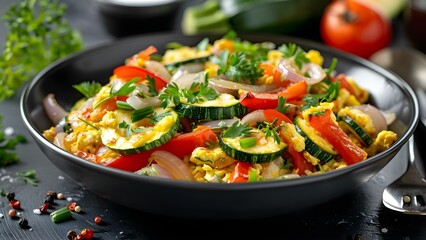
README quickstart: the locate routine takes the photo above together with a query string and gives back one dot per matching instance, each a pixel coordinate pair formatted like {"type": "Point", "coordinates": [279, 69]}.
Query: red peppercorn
{"type": "Point", "coordinates": [98, 220]}
{"type": "Point", "coordinates": [43, 208]}
{"type": "Point", "coordinates": [87, 233]}
{"type": "Point", "coordinates": [71, 206]}
{"type": "Point", "coordinates": [16, 204]}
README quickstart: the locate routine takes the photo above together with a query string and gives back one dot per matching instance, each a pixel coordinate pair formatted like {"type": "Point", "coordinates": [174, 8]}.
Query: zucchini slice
{"type": "Point", "coordinates": [172, 66]}
{"type": "Point", "coordinates": [225, 106]}
{"type": "Point", "coordinates": [315, 145]}
{"type": "Point", "coordinates": [357, 130]}
{"type": "Point", "coordinates": [256, 154]}
{"type": "Point", "coordinates": [139, 136]}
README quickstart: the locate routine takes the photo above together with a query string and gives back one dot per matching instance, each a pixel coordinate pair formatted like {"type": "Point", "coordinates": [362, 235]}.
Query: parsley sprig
{"type": "Point", "coordinates": [270, 130]}
{"type": "Point", "coordinates": [88, 89]}
{"type": "Point", "coordinates": [38, 35]}
{"type": "Point", "coordinates": [237, 67]}
{"type": "Point", "coordinates": [8, 155]}
{"type": "Point", "coordinates": [197, 92]}
{"type": "Point", "coordinates": [291, 50]}
{"type": "Point", "coordinates": [237, 129]}
{"type": "Point", "coordinates": [28, 176]}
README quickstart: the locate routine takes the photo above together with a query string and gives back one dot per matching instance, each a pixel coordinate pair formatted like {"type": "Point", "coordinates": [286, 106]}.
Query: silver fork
{"type": "Point", "coordinates": [407, 194]}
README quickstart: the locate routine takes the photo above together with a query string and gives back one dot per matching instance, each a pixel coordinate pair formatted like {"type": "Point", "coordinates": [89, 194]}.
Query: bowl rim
{"type": "Point", "coordinates": [389, 75]}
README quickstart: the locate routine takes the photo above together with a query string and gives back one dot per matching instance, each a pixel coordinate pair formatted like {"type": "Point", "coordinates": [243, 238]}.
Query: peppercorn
{"type": "Point", "coordinates": [23, 223]}
{"type": "Point", "coordinates": [50, 200]}
{"type": "Point", "coordinates": [12, 213]}
{"type": "Point", "coordinates": [71, 235]}
{"type": "Point", "coordinates": [60, 196]}
{"type": "Point", "coordinates": [87, 233]}
{"type": "Point", "coordinates": [52, 194]}
{"type": "Point", "coordinates": [98, 220]}
{"type": "Point", "coordinates": [43, 208]}
{"type": "Point", "coordinates": [16, 204]}
{"type": "Point", "coordinates": [10, 196]}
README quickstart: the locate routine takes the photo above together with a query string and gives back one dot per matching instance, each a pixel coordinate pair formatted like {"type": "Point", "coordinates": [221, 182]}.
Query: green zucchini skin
{"type": "Point", "coordinates": [246, 156]}
{"type": "Point", "coordinates": [356, 129]}
{"type": "Point", "coordinates": [172, 66]}
{"type": "Point", "coordinates": [125, 149]}
{"type": "Point", "coordinates": [312, 146]}
{"type": "Point", "coordinates": [210, 113]}
{"type": "Point", "coordinates": [275, 16]}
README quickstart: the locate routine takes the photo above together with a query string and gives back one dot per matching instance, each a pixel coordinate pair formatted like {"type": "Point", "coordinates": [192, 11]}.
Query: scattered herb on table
{"type": "Point", "coordinates": [28, 176]}
{"type": "Point", "coordinates": [38, 35]}
{"type": "Point", "coordinates": [8, 145]}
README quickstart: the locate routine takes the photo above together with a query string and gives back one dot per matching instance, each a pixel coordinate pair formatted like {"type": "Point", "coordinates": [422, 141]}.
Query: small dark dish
{"type": "Point", "coordinates": [210, 200]}
{"type": "Point", "coordinates": [130, 17]}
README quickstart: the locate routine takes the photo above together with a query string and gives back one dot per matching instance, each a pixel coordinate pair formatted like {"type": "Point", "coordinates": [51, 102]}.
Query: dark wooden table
{"type": "Point", "coordinates": [359, 214]}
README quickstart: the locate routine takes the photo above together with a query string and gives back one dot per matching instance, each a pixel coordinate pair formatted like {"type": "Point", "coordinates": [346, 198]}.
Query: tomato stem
{"type": "Point", "coordinates": [348, 16]}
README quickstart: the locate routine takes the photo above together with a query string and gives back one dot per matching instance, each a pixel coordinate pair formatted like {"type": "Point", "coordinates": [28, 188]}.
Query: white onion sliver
{"type": "Point", "coordinates": [161, 172]}
{"type": "Point", "coordinates": [158, 69]}
{"type": "Point", "coordinates": [376, 116]}
{"type": "Point", "coordinates": [59, 140]}
{"type": "Point", "coordinates": [186, 80]}
{"type": "Point", "coordinates": [54, 111]}
{"type": "Point", "coordinates": [253, 117]}
{"type": "Point", "coordinates": [139, 103]}
{"type": "Point", "coordinates": [216, 82]}
{"type": "Point", "coordinates": [315, 72]}
{"type": "Point", "coordinates": [173, 165]}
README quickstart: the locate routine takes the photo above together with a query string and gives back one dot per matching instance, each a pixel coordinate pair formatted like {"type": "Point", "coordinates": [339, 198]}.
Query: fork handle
{"type": "Point", "coordinates": [412, 174]}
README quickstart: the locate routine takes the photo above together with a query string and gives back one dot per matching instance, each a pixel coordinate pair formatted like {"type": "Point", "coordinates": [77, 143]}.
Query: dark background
{"type": "Point", "coordinates": [357, 215]}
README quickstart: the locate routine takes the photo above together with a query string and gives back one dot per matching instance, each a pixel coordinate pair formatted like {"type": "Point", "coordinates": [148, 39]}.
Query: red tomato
{"type": "Point", "coordinates": [355, 27]}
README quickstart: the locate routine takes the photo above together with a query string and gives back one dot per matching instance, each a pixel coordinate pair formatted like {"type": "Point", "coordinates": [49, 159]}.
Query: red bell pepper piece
{"type": "Point", "coordinates": [180, 145]}
{"type": "Point", "coordinates": [256, 101]}
{"type": "Point", "coordinates": [298, 159]}
{"type": "Point", "coordinates": [350, 152]}
{"type": "Point", "coordinates": [129, 72]}
{"type": "Point", "coordinates": [240, 172]}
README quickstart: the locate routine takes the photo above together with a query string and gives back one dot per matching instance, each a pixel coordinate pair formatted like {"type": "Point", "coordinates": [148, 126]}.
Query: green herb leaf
{"type": "Point", "coordinates": [126, 89]}
{"type": "Point", "coordinates": [152, 88]}
{"type": "Point", "coordinates": [237, 67]}
{"type": "Point", "coordinates": [28, 176]}
{"type": "Point", "coordinates": [293, 51]}
{"type": "Point", "coordinates": [86, 122]}
{"type": "Point", "coordinates": [8, 144]}
{"type": "Point", "coordinates": [237, 129]}
{"type": "Point", "coordinates": [282, 107]}
{"type": "Point", "coordinates": [270, 130]}
{"type": "Point", "coordinates": [142, 113]}
{"type": "Point", "coordinates": [88, 89]}
{"type": "Point", "coordinates": [38, 35]}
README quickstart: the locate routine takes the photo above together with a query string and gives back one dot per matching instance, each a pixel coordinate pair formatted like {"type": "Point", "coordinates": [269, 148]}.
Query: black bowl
{"type": "Point", "coordinates": [210, 200]}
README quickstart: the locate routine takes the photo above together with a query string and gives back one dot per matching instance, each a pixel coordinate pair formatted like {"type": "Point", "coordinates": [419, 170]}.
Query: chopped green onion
{"type": "Point", "coordinates": [252, 176]}
{"type": "Point", "coordinates": [123, 105]}
{"type": "Point", "coordinates": [61, 215]}
{"type": "Point", "coordinates": [142, 113]}
{"type": "Point", "coordinates": [248, 142]}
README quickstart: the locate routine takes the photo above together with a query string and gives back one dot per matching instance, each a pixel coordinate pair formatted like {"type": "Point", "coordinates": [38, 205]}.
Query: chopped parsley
{"type": "Point", "coordinates": [291, 50]}
{"type": "Point", "coordinates": [88, 89]}
{"type": "Point", "coordinates": [237, 129]}
{"type": "Point", "coordinates": [8, 144]}
{"type": "Point", "coordinates": [270, 130]}
{"type": "Point", "coordinates": [126, 89]}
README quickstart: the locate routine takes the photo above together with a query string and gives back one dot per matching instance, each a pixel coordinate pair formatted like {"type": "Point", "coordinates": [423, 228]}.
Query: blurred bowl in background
{"type": "Point", "coordinates": [129, 17]}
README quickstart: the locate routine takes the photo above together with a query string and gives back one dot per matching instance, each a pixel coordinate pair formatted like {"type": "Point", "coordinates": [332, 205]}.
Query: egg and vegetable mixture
{"type": "Point", "coordinates": [225, 111]}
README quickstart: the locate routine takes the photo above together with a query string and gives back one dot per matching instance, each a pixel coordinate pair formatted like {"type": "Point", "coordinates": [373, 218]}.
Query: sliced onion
{"type": "Point", "coordinates": [390, 117]}
{"type": "Point", "coordinates": [217, 82]}
{"type": "Point", "coordinates": [254, 117]}
{"type": "Point", "coordinates": [161, 172]}
{"type": "Point", "coordinates": [192, 67]}
{"type": "Point", "coordinates": [59, 139]}
{"type": "Point", "coordinates": [316, 73]}
{"type": "Point", "coordinates": [215, 124]}
{"type": "Point", "coordinates": [138, 103]}
{"type": "Point", "coordinates": [159, 69]}
{"type": "Point", "coordinates": [272, 170]}
{"type": "Point", "coordinates": [186, 80]}
{"type": "Point", "coordinates": [376, 116]}
{"type": "Point", "coordinates": [54, 111]}
{"type": "Point", "coordinates": [173, 165]}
